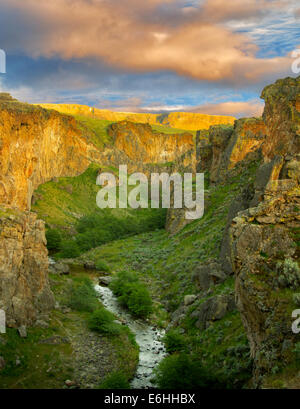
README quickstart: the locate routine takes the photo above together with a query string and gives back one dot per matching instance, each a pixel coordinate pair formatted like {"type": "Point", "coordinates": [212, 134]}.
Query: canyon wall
{"type": "Point", "coordinates": [37, 145]}
{"type": "Point", "coordinates": [260, 243]}
{"type": "Point", "coordinates": [180, 120]}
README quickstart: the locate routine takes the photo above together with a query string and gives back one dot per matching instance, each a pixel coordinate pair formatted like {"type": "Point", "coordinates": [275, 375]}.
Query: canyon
{"type": "Point", "coordinates": [259, 241]}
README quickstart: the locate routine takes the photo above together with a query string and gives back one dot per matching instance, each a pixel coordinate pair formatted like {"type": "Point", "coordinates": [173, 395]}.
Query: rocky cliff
{"type": "Point", "coordinates": [37, 145]}
{"type": "Point", "coordinates": [260, 243]}
{"type": "Point", "coordinates": [25, 294]}
{"type": "Point", "coordinates": [179, 120]}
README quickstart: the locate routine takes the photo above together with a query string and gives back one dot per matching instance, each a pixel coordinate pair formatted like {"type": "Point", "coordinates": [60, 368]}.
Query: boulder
{"type": "Point", "coordinates": [62, 268]}
{"type": "Point", "coordinates": [105, 280]}
{"type": "Point", "coordinates": [189, 299]}
{"type": "Point", "coordinates": [214, 309]}
{"type": "Point", "coordinates": [22, 331]}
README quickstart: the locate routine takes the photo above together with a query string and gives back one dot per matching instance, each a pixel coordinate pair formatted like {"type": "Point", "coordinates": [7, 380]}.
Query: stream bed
{"type": "Point", "coordinates": [148, 338]}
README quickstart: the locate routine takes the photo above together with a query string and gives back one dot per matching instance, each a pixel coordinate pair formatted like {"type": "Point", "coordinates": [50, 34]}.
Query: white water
{"type": "Point", "coordinates": [152, 350]}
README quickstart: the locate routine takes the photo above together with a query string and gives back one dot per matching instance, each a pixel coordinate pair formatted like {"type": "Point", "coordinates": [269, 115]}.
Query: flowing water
{"type": "Point", "coordinates": [148, 338]}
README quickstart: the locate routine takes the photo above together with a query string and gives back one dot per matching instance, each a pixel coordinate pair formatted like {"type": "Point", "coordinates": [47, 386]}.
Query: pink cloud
{"type": "Point", "coordinates": [236, 109]}
{"type": "Point", "coordinates": [132, 36]}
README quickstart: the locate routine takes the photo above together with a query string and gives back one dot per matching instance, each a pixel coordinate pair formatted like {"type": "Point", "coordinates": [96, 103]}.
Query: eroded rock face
{"type": "Point", "coordinates": [139, 142]}
{"type": "Point", "coordinates": [25, 294]}
{"type": "Point", "coordinates": [262, 241]}
{"type": "Point", "coordinates": [35, 146]}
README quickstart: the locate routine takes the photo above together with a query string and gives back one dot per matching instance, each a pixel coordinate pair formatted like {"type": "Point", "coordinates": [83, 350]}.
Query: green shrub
{"type": "Point", "coordinates": [182, 371]}
{"type": "Point", "coordinates": [122, 282]}
{"type": "Point", "coordinates": [139, 301]}
{"type": "Point", "coordinates": [174, 341]}
{"type": "Point", "coordinates": [69, 249]}
{"type": "Point", "coordinates": [289, 273]}
{"type": "Point", "coordinates": [133, 294]}
{"type": "Point", "coordinates": [102, 227]}
{"type": "Point", "coordinates": [103, 321]}
{"type": "Point", "coordinates": [53, 239]}
{"type": "Point", "coordinates": [116, 380]}
{"type": "Point", "coordinates": [102, 266]}
{"type": "Point", "coordinates": [296, 351]}
{"type": "Point", "coordinates": [83, 296]}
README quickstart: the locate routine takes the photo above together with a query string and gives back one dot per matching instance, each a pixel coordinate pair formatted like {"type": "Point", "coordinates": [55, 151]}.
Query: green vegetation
{"type": "Point", "coordinates": [116, 380]}
{"type": "Point", "coordinates": [102, 266]}
{"type": "Point", "coordinates": [174, 341]}
{"type": "Point", "coordinates": [183, 371]}
{"type": "Point", "coordinates": [82, 296]}
{"type": "Point", "coordinates": [53, 237]}
{"type": "Point", "coordinates": [103, 321]}
{"type": "Point", "coordinates": [68, 206]}
{"type": "Point", "coordinates": [289, 273]}
{"type": "Point", "coordinates": [97, 128]}
{"type": "Point", "coordinates": [133, 294]}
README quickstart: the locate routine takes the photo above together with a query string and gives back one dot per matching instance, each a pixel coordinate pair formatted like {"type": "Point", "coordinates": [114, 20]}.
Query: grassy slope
{"type": "Point", "coordinates": [34, 365]}
{"type": "Point", "coordinates": [167, 264]}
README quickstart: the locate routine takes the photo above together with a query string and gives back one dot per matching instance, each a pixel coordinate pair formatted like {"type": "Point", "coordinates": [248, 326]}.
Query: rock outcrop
{"type": "Point", "coordinates": [25, 294]}
{"type": "Point", "coordinates": [179, 120]}
{"type": "Point", "coordinates": [264, 245]}
{"type": "Point", "coordinates": [139, 142]}
{"type": "Point", "coordinates": [37, 145]}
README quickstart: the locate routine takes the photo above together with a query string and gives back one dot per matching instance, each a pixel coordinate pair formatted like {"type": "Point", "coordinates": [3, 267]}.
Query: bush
{"type": "Point", "coordinates": [116, 380]}
{"type": "Point", "coordinates": [182, 371]}
{"type": "Point", "coordinates": [53, 239]}
{"type": "Point", "coordinates": [69, 249]}
{"type": "Point", "coordinates": [102, 266]}
{"type": "Point", "coordinates": [133, 294]}
{"type": "Point", "coordinates": [296, 351]}
{"type": "Point", "coordinates": [103, 321]}
{"type": "Point", "coordinates": [101, 227]}
{"type": "Point", "coordinates": [289, 273]}
{"type": "Point", "coordinates": [83, 297]}
{"type": "Point", "coordinates": [174, 341]}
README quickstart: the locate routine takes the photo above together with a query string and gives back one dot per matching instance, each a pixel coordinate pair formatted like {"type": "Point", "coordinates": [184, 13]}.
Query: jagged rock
{"type": "Point", "coordinates": [105, 280]}
{"type": "Point", "coordinates": [22, 331]}
{"type": "Point", "coordinates": [208, 275]}
{"type": "Point", "coordinates": [214, 309]}
{"type": "Point", "coordinates": [24, 286]}
{"type": "Point", "coordinates": [163, 147]}
{"type": "Point", "coordinates": [189, 299]}
{"type": "Point", "coordinates": [62, 268]}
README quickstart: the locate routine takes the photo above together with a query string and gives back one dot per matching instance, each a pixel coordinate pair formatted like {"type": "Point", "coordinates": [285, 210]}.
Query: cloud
{"type": "Point", "coordinates": [140, 37]}
{"type": "Point", "coordinates": [132, 104]}
{"type": "Point", "coordinates": [237, 109]}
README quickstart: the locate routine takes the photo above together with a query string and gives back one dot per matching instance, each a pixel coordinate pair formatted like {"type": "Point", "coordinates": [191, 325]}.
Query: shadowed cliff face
{"type": "Point", "coordinates": [264, 237]}
{"type": "Point", "coordinates": [25, 293]}
{"type": "Point", "coordinates": [35, 146]}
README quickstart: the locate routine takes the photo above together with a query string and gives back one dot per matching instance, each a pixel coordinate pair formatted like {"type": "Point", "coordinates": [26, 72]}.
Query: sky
{"type": "Point", "coordinates": [207, 56]}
